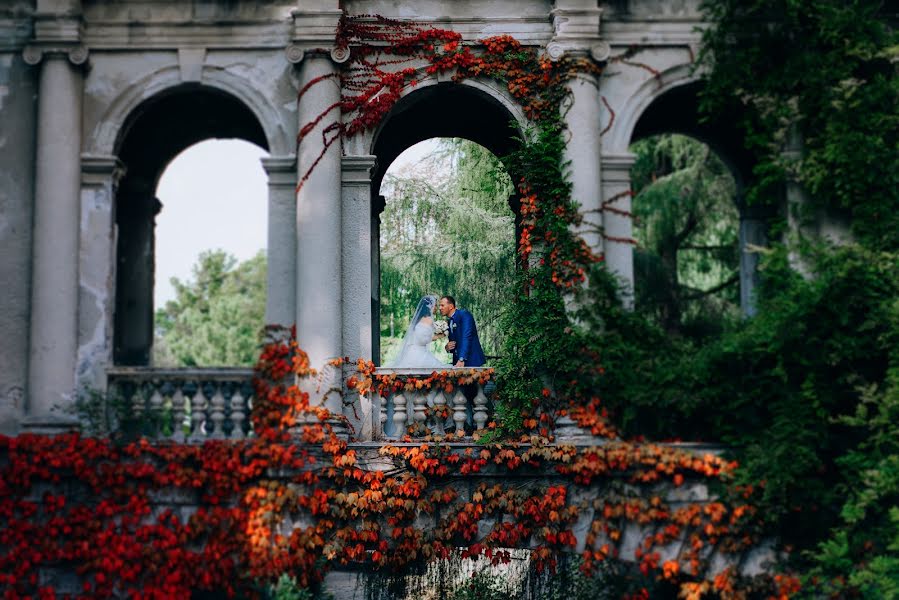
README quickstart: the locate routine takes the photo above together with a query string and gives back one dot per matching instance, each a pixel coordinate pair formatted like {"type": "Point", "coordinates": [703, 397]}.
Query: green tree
{"type": "Point", "coordinates": [216, 317]}
{"type": "Point", "coordinates": [686, 223]}
{"type": "Point", "coordinates": [447, 229]}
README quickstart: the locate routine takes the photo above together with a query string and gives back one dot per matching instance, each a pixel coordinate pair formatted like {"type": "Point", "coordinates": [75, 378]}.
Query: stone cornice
{"type": "Point", "coordinates": [57, 29]}
{"type": "Point", "coordinates": [315, 28]}
{"type": "Point", "coordinates": [118, 35]}
{"type": "Point", "coordinates": [14, 33]}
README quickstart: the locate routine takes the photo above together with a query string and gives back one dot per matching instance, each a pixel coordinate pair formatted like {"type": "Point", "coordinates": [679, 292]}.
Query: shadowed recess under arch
{"type": "Point", "coordinates": [444, 110]}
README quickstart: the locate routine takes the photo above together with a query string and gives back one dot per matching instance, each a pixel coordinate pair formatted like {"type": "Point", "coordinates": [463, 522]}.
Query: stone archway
{"type": "Point", "coordinates": [155, 132]}
{"type": "Point", "coordinates": [677, 111]}
{"type": "Point", "coordinates": [440, 110]}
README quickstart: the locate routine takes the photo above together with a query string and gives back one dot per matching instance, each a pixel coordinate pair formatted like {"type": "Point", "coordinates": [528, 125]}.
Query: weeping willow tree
{"type": "Point", "coordinates": [447, 229]}
{"type": "Point", "coordinates": [686, 223]}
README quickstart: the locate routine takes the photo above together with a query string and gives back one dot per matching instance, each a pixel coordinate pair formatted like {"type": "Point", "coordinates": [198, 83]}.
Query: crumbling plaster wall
{"type": "Point", "coordinates": [18, 93]}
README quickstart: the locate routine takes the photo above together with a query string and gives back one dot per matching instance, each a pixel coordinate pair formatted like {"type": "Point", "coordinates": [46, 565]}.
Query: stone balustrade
{"type": "Point", "coordinates": [184, 405]}
{"type": "Point", "coordinates": [438, 408]}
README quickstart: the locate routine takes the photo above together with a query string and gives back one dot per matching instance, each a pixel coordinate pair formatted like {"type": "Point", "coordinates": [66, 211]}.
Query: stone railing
{"type": "Point", "coordinates": [185, 405]}
{"type": "Point", "coordinates": [432, 409]}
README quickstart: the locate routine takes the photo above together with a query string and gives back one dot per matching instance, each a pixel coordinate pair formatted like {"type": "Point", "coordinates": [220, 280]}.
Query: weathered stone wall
{"type": "Point", "coordinates": [349, 581]}
{"type": "Point", "coordinates": [18, 94]}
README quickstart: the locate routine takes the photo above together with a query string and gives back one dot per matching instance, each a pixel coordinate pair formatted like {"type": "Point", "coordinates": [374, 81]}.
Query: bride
{"type": "Point", "coordinates": [414, 352]}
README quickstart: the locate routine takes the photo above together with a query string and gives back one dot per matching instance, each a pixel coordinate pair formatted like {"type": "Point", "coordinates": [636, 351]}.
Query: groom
{"type": "Point", "coordinates": [463, 335]}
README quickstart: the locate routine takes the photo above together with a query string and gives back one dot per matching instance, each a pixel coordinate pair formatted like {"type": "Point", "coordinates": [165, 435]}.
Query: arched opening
{"type": "Point", "coordinates": [209, 293]}
{"type": "Point", "coordinates": [158, 131]}
{"type": "Point", "coordinates": [710, 164]}
{"type": "Point", "coordinates": [473, 130]}
{"type": "Point", "coordinates": [447, 228]}
{"type": "Point", "coordinates": [686, 224]}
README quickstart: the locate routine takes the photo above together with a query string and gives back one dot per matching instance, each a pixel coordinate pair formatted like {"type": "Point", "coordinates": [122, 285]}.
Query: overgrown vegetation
{"type": "Point", "coordinates": [805, 393]}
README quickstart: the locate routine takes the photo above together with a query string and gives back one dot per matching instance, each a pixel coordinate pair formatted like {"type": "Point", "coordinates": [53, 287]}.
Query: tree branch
{"type": "Point", "coordinates": [710, 291]}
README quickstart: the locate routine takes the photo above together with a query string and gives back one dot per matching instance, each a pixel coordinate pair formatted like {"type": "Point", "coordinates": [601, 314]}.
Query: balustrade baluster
{"type": "Point", "coordinates": [216, 411]}
{"type": "Point", "coordinates": [399, 415]}
{"type": "Point", "coordinates": [419, 408]}
{"type": "Point", "coordinates": [209, 392]}
{"type": "Point", "coordinates": [237, 415]}
{"type": "Point", "coordinates": [460, 409]}
{"type": "Point", "coordinates": [439, 403]}
{"type": "Point", "coordinates": [382, 417]}
{"type": "Point", "coordinates": [131, 400]}
{"type": "Point", "coordinates": [180, 413]}
{"type": "Point", "coordinates": [154, 424]}
{"type": "Point", "coordinates": [198, 410]}
{"type": "Point", "coordinates": [480, 409]}
{"type": "Point", "coordinates": [248, 391]}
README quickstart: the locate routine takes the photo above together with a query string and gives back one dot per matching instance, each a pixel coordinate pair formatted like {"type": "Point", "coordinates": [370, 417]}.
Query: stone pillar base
{"type": "Point", "coordinates": [50, 424]}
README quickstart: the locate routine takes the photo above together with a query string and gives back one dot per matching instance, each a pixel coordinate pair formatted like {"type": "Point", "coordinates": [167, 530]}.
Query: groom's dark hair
{"type": "Point", "coordinates": [450, 299]}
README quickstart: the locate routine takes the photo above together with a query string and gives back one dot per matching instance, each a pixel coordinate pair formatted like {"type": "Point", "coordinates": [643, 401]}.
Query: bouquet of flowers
{"type": "Point", "coordinates": [440, 328]}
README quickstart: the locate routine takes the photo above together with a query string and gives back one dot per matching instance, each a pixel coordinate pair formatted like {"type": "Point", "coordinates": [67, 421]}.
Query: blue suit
{"type": "Point", "coordinates": [464, 332]}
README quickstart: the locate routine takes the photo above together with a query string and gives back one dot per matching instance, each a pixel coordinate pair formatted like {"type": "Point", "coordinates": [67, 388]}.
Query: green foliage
{"type": "Point", "coordinates": [865, 543]}
{"type": "Point", "coordinates": [792, 391]}
{"type": "Point", "coordinates": [807, 390]}
{"type": "Point", "coordinates": [607, 582]}
{"type": "Point", "coordinates": [447, 229]}
{"type": "Point", "coordinates": [544, 351]}
{"type": "Point", "coordinates": [287, 588]}
{"type": "Point", "coordinates": [216, 317]}
{"type": "Point", "coordinates": [823, 71]}
{"type": "Point", "coordinates": [482, 586]}
{"type": "Point", "coordinates": [687, 269]}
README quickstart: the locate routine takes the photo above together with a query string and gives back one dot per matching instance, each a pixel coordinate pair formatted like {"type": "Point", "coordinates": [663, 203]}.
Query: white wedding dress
{"type": "Point", "coordinates": [416, 354]}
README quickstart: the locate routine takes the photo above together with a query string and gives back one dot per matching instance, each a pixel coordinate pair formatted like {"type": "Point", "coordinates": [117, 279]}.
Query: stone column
{"type": "Point", "coordinates": [377, 207]}
{"type": "Point", "coordinates": [318, 296]}
{"type": "Point", "coordinates": [576, 32]}
{"type": "Point", "coordinates": [57, 215]}
{"type": "Point", "coordinates": [582, 119]}
{"type": "Point", "coordinates": [618, 221]}
{"type": "Point", "coordinates": [281, 289]}
{"type": "Point", "coordinates": [137, 208]}
{"type": "Point", "coordinates": [356, 226]}
{"type": "Point", "coordinates": [753, 234]}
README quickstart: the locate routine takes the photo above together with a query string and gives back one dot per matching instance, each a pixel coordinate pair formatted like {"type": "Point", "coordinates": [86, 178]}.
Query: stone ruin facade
{"type": "Point", "coordinates": [96, 97]}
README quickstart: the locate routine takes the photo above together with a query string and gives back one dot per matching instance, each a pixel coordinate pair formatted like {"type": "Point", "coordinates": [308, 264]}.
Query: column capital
{"type": "Point", "coordinates": [576, 31]}
{"type": "Point", "coordinates": [617, 167]}
{"type": "Point", "coordinates": [97, 169]}
{"type": "Point", "coordinates": [281, 170]}
{"type": "Point", "coordinates": [34, 53]}
{"type": "Point", "coordinates": [296, 54]}
{"type": "Point", "coordinates": [57, 33]}
{"type": "Point", "coordinates": [356, 170]}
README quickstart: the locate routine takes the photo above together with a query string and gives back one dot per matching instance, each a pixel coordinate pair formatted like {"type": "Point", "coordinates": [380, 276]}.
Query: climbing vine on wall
{"type": "Point", "coordinates": [298, 499]}
{"type": "Point", "coordinates": [256, 509]}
